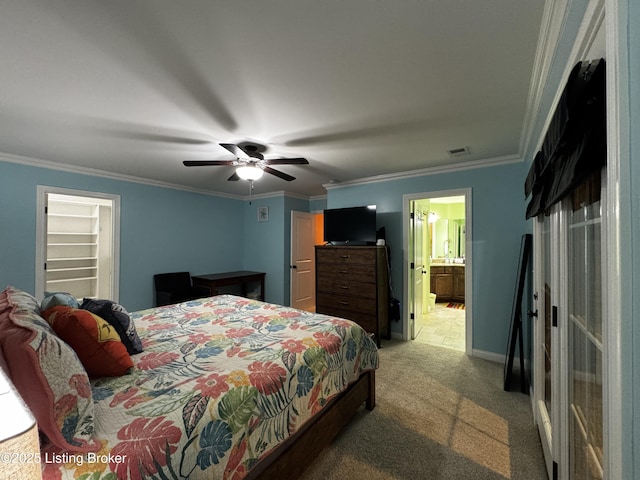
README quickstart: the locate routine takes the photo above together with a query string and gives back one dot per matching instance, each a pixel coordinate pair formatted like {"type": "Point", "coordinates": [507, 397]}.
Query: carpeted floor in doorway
{"type": "Point", "coordinates": [439, 415]}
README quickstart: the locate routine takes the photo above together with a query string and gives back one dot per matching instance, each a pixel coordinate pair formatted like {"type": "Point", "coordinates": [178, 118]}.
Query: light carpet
{"type": "Point", "coordinates": [439, 415]}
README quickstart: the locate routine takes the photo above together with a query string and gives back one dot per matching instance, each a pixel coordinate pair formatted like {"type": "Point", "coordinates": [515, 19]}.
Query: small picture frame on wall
{"type": "Point", "coordinates": [263, 214]}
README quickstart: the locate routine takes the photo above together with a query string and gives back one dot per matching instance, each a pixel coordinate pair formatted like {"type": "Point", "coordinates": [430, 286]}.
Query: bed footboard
{"type": "Point", "coordinates": [291, 458]}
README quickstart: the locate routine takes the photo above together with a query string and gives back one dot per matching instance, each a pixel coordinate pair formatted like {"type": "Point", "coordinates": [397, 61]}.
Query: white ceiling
{"type": "Point", "coordinates": [360, 88]}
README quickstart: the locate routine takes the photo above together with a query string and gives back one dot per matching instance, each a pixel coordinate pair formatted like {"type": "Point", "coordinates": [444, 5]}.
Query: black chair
{"type": "Point", "coordinates": [176, 287]}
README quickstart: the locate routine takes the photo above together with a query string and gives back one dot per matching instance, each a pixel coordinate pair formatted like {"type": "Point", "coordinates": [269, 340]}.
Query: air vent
{"type": "Point", "coordinates": [459, 152]}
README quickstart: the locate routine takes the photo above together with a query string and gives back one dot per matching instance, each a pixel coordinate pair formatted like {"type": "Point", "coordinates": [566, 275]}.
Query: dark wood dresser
{"type": "Point", "coordinates": [353, 282]}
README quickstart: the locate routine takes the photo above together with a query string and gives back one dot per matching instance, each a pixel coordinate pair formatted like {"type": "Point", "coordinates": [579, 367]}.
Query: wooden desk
{"type": "Point", "coordinates": [236, 283]}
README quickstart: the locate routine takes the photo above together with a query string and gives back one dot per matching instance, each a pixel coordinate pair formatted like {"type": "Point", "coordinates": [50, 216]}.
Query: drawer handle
{"type": "Point", "coordinates": [344, 271]}
{"type": "Point", "coordinates": [344, 256]}
{"type": "Point", "coordinates": [342, 302]}
{"type": "Point", "coordinates": [345, 287]}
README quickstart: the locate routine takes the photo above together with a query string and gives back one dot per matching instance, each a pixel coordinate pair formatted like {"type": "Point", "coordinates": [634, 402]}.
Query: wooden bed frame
{"type": "Point", "coordinates": [295, 454]}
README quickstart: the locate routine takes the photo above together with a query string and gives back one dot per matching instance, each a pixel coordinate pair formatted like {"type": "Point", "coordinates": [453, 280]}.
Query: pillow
{"type": "Point", "coordinates": [119, 318]}
{"type": "Point", "coordinates": [53, 299]}
{"type": "Point", "coordinates": [94, 340]}
{"type": "Point", "coordinates": [46, 373]}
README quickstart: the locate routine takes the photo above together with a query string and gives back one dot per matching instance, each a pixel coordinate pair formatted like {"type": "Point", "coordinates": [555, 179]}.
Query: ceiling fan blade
{"type": "Point", "coordinates": [205, 163]}
{"type": "Point", "coordinates": [278, 173]}
{"type": "Point", "coordinates": [286, 161]}
{"type": "Point", "coordinates": [237, 151]}
{"type": "Point", "coordinates": [233, 178]}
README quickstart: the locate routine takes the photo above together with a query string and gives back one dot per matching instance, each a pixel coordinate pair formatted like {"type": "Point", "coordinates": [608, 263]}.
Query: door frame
{"type": "Point", "coordinates": [408, 255]}
{"type": "Point", "coordinates": [416, 307]}
{"type": "Point", "coordinates": [41, 235]}
{"type": "Point", "coordinates": [541, 415]}
{"type": "Point", "coordinates": [292, 264]}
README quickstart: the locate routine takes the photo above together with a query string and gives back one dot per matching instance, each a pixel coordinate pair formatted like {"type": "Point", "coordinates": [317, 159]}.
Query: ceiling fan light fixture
{"type": "Point", "coordinates": [249, 172]}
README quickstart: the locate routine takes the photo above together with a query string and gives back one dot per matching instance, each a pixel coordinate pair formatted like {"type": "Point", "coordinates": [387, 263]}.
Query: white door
{"type": "Point", "coordinates": [302, 264]}
{"type": "Point", "coordinates": [419, 268]}
{"type": "Point", "coordinates": [545, 338]}
{"type": "Point", "coordinates": [585, 320]}
{"type": "Point", "coordinates": [568, 336]}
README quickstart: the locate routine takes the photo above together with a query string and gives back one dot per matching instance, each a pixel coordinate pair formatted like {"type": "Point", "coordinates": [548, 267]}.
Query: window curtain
{"type": "Point", "coordinates": [574, 146]}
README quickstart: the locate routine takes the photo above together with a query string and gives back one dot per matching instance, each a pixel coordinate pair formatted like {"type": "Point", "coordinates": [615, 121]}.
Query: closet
{"type": "Point", "coordinates": [78, 245]}
{"type": "Point", "coordinates": [567, 184]}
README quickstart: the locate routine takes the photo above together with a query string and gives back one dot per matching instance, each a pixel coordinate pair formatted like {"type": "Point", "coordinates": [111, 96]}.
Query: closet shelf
{"type": "Point", "coordinates": [70, 269]}
{"type": "Point", "coordinates": [64, 259]}
{"type": "Point", "coordinates": [71, 215]}
{"type": "Point", "coordinates": [83, 244]}
{"type": "Point", "coordinates": [67, 280]}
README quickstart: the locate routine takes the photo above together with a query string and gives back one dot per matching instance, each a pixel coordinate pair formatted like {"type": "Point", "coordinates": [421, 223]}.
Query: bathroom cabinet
{"type": "Point", "coordinates": [447, 282]}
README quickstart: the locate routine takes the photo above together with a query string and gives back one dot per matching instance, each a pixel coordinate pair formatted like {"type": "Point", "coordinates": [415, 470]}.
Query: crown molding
{"type": "Point", "coordinates": [279, 193]}
{"type": "Point", "coordinates": [554, 18]}
{"type": "Point", "coordinates": [95, 172]}
{"type": "Point", "coordinates": [472, 165]}
{"type": "Point", "coordinates": [63, 167]}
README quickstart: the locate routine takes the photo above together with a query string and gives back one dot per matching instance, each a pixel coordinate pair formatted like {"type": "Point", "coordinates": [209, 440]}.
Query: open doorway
{"type": "Point", "coordinates": [78, 243]}
{"type": "Point", "coordinates": [437, 242]}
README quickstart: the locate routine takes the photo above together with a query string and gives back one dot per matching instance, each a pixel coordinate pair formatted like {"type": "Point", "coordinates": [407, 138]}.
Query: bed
{"type": "Point", "coordinates": [225, 387]}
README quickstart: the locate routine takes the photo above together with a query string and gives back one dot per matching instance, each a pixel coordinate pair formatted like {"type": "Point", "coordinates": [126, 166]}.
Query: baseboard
{"type": "Point", "coordinates": [499, 358]}
{"type": "Point", "coordinates": [490, 356]}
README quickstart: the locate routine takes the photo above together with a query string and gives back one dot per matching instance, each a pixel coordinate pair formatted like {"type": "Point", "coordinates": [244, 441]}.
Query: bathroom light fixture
{"type": "Point", "coordinates": [249, 172]}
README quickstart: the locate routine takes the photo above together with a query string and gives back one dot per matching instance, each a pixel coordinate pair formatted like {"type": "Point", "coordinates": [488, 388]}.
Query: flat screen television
{"type": "Point", "coordinates": [352, 225]}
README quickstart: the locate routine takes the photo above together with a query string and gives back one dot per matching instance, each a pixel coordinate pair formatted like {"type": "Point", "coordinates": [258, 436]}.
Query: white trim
{"type": "Point", "coordinates": [617, 128]}
{"type": "Point", "coordinates": [538, 400]}
{"type": "Point", "coordinates": [560, 351]}
{"type": "Point", "coordinates": [492, 356]}
{"type": "Point", "coordinates": [41, 234]}
{"type": "Point", "coordinates": [554, 18]}
{"type": "Point", "coordinates": [593, 18]}
{"type": "Point", "coordinates": [489, 162]}
{"type": "Point", "coordinates": [94, 172]}
{"type": "Point", "coordinates": [468, 278]}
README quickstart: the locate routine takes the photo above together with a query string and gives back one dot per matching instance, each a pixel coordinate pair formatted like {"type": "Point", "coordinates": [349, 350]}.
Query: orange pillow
{"type": "Point", "coordinates": [94, 340]}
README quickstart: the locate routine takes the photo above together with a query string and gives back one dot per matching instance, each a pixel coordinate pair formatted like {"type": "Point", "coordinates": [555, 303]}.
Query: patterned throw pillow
{"type": "Point", "coordinates": [117, 316]}
{"type": "Point", "coordinates": [53, 299]}
{"type": "Point", "coordinates": [47, 373]}
{"type": "Point", "coordinates": [96, 342]}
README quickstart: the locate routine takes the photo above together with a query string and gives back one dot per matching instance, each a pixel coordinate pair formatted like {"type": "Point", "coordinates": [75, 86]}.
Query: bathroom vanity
{"type": "Point", "coordinates": [447, 281]}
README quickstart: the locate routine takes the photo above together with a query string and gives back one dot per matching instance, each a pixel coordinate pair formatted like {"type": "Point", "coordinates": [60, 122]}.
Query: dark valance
{"type": "Point", "coordinates": [574, 145]}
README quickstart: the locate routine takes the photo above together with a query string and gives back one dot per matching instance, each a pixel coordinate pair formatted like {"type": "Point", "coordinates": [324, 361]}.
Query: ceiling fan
{"type": "Point", "coordinates": [250, 162]}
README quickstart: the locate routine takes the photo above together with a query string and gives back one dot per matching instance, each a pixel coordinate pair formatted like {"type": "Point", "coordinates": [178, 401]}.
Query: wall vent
{"type": "Point", "coordinates": [459, 152]}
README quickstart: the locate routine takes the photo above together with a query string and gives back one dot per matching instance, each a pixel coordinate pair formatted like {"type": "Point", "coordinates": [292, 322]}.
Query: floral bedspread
{"type": "Point", "coordinates": [221, 382]}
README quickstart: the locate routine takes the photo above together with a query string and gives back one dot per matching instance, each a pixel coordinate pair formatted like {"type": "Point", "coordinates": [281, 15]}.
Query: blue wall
{"type": "Point", "coordinates": [267, 244]}
{"type": "Point", "coordinates": [161, 230]}
{"type": "Point", "coordinates": [498, 223]}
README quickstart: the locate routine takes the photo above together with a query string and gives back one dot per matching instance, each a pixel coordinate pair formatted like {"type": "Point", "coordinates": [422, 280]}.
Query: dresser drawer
{"type": "Point", "coordinates": [350, 255]}
{"type": "Point", "coordinates": [345, 302]}
{"type": "Point", "coordinates": [346, 286]}
{"type": "Point", "coordinates": [362, 273]}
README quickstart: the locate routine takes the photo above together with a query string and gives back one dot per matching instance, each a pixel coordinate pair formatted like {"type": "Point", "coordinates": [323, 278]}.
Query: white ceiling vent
{"type": "Point", "coordinates": [459, 152]}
